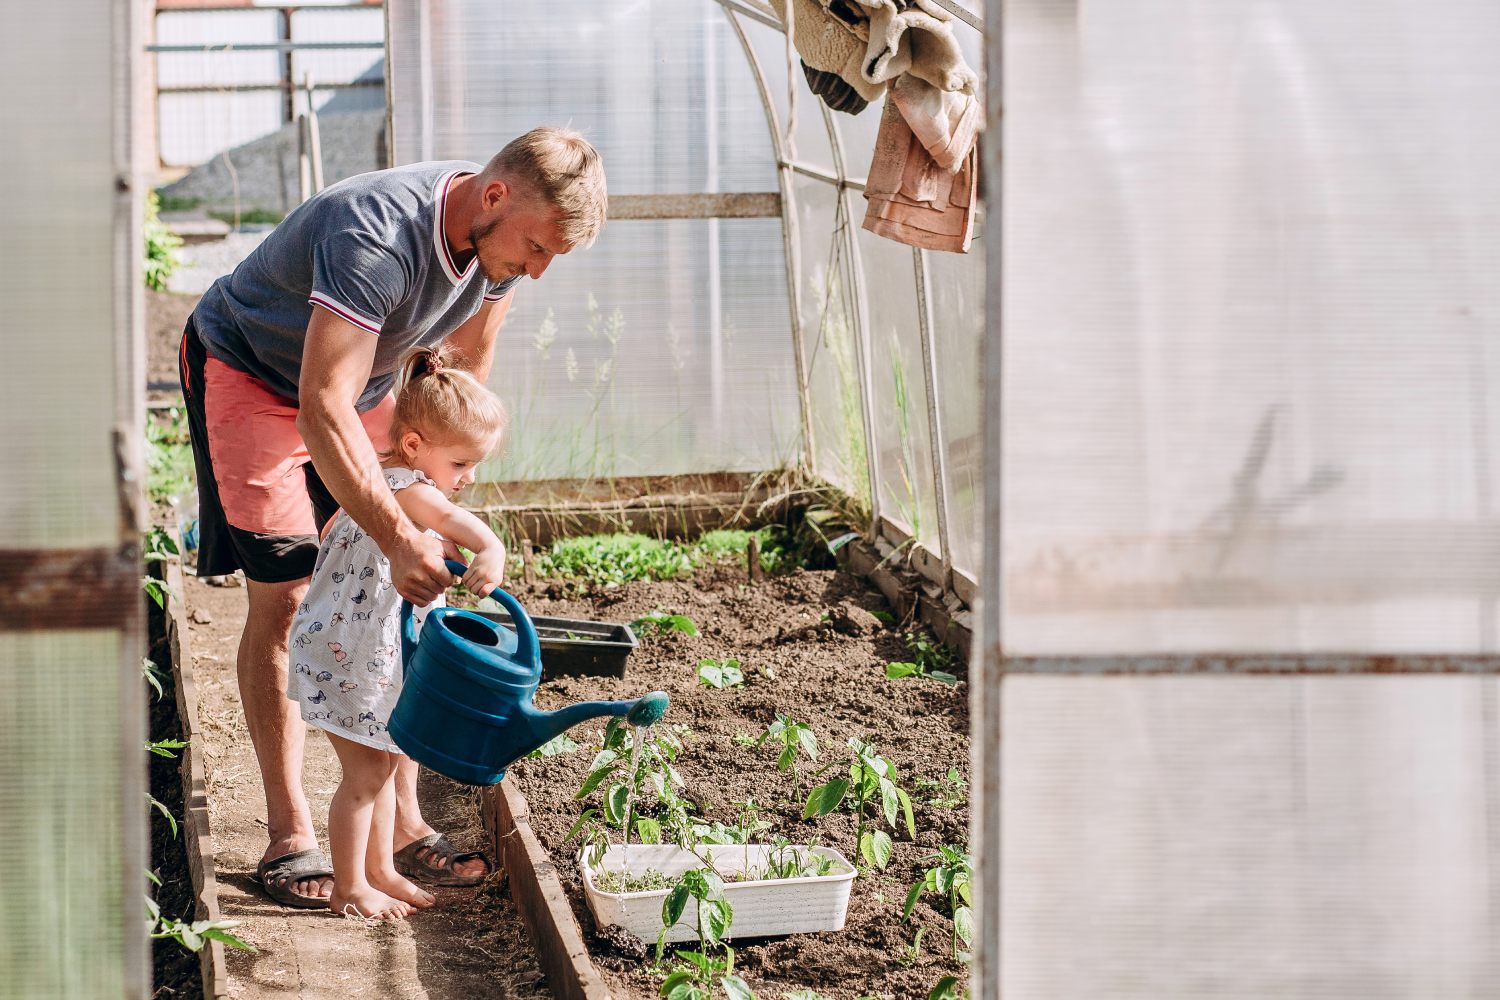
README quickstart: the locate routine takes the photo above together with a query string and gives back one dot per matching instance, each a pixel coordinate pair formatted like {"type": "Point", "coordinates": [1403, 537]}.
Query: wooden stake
{"type": "Point", "coordinates": [528, 561]}
{"type": "Point", "coordinates": [752, 559]}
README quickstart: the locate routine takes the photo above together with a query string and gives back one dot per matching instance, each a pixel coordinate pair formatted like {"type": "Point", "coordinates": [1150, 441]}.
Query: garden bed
{"type": "Point", "coordinates": [808, 647]}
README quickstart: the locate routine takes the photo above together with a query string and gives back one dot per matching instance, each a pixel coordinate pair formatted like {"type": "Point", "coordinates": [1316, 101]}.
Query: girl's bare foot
{"type": "Point", "coordinates": [368, 902]}
{"type": "Point", "coordinates": [393, 884]}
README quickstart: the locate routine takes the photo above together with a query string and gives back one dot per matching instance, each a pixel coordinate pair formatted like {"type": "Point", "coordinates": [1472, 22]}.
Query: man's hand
{"type": "Point", "coordinates": [417, 568]}
{"type": "Point", "coordinates": [487, 571]}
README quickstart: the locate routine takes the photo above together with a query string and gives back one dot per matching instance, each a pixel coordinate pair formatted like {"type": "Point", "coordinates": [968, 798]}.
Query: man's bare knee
{"type": "Point", "coordinates": [274, 605]}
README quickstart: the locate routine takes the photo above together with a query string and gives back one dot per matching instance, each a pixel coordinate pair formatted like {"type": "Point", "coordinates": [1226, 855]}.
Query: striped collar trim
{"type": "Point", "coordinates": [439, 231]}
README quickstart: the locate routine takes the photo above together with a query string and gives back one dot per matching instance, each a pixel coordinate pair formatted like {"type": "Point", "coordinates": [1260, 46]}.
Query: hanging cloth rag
{"type": "Point", "coordinates": [922, 184]}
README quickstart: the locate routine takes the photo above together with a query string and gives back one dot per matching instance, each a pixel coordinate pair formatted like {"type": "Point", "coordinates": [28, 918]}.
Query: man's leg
{"type": "Point", "coordinates": [275, 723]}
{"type": "Point", "coordinates": [411, 827]}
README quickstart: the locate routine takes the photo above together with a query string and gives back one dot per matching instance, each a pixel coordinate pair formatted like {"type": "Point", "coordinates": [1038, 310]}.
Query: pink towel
{"type": "Point", "coordinates": [923, 176]}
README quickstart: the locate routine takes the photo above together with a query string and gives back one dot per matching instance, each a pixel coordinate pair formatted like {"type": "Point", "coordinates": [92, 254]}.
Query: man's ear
{"type": "Point", "coordinates": [496, 193]}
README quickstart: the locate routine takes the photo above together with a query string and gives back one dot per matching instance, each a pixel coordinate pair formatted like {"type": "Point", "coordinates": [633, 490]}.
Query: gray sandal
{"type": "Point", "coordinates": [278, 876]}
{"type": "Point", "coordinates": [413, 863]}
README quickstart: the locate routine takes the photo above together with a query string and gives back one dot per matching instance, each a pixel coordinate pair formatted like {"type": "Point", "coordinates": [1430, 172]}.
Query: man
{"type": "Point", "coordinates": [286, 367]}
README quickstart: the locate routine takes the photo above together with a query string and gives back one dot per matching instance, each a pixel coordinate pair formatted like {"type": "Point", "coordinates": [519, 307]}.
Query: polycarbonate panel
{"type": "Point", "coordinates": [828, 331]}
{"type": "Point", "coordinates": [63, 929]}
{"type": "Point", "coordinates": [661, 88]}
{"type": "Point", "coordinates": [60, 220]}
{"type": "Point", "coordinates": [1250, 327]}
{"type": "Point", "coordinates": [360, 24]}
{"type": "Point", "coordinates": [809, 133]}
{"type": "Point", "coordinates": [616, 363]}
{"type": "Point", "coordinates": [900, 401]}
{"type": "Point", "coordinates": [955, 284]}
{"type": "Point", "coordinates": [197, 127]}
{"type": "Point", "coordinates": [218, 31]}
{"type": "Point", "coordinates": [1210, 838]}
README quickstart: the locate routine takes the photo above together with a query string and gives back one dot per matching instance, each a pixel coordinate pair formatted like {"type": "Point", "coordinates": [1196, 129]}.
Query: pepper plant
{"type": "Point", "coordinates": [871, 782]}
{"type": "Point", "coordinates": [720, 674]}
{"type": "Point", "coordinates": [951, 878]}
{"type": "Point", "coordinates": [791, 736]}
{"type": "Point", "coordinates": [697, 973]}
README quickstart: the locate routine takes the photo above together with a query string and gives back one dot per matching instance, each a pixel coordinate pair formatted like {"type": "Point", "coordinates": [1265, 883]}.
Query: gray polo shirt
{"type": "Point", "coordinates": [369, 249]}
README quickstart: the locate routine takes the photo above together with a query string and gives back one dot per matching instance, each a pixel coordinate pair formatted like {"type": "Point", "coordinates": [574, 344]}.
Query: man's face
{"type": "Point", "coordinates": [515, 235]}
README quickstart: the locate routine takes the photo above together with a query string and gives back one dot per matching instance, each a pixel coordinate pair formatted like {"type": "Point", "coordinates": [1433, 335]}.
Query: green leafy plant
{"type": "Point", "coordinates": [803, 995]}
{"type": "Point", "coordinates": [160, 544]}
{"type": "Point", "coordinates": [929, 659]}
{"type": "Point", "coordinates": [162, 245]}
{"type": "Point", "coordinates": [157, 590]}
{"type": "Point", "coordinates": [559, 744]}
{"type": "Point", "coordinates": [946, 792]}
{"type": "Point", "coordinates": [871, 782]}
{"type": "Point", "coordinates": [650, 880]}
{"type": "Point", "coordinates": [786, 860]}
{"type": "Point", "coordinates": [195, 935]}
{"type": "Point", "coordinates": [660, 622]}
{"type": "Point", "coordinates": [948, 988]}
{"type": "Point", "coordinates": [791, 736]}
{"type": "Point", "coordinates": [169, 456]}
{"type": "Point", "coordinates": [951, 878]}
{"type": "Point", "coordinates": [611, 560]}
{"type": "Point", "coordinates": [720, 674]}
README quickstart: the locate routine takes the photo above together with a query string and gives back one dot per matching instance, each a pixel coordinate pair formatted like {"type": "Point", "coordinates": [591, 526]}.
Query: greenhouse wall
{"type": "Point", "coordinates": [663, 349]}
{"type": "Point", "coordinates": [1248, 338]}
{"type": "Point", "coordinates": [72, 798]}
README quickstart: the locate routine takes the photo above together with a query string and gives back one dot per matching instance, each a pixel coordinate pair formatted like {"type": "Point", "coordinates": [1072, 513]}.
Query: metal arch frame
{"type": "Point", "coordinates": [938, 443]}
{"type": "Point", "coordinates": [790, 237]}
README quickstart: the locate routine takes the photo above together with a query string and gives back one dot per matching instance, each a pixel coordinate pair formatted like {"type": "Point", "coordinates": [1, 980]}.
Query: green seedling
{"type": "Point", "coordinates": [803, 995]}
{"type": "Point", "coordinates": [872, 781]}
{"type": "Point", "coordinates": [164, 748]}
{"type": "Point", "coordinates": [696, 974]}
{"type": "Point", "coordinates": [157, 590]}
{"type": "Point", "coordinates": [650, 880]}
{"type": "Point", "coordinates": [169, 456]}
{"type": "Point", "coordinates": [661, 623]}
{"type": "Point", "coordinates": [559, 744]}
{"type": "Point", "coordinates": [742, 832]}
{"type": "Point", "coordinates": [791, 736]}
{"type": "Point", "coordinates": [195, 935]}
{"type": "Point", "coordinates": [153, 675]}
{"type": "Point", "coordinates": [160, 544]}
{"type": "Point", "coordinates": [720, 674]}
{"type": "Point", "coordinates": [884, 616]}
{"type": "Point", "coordinates": [946, 792]}
{"type": "Point", "coordinates": [951, 878]}
{"type": "Point", "coordinates": [787, 861]}
{"type": "Point", "coordinates": [914, 950]}
{"type": "Point", "coordinates": [948, 988]}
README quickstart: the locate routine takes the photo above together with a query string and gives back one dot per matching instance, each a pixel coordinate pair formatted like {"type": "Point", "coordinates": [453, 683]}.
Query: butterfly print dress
{"type": "Point", "coordinates": [345, 664]}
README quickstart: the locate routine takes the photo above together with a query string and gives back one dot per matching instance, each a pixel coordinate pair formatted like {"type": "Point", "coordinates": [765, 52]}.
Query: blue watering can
{"type": "Point", "coordinates": [465, 709]}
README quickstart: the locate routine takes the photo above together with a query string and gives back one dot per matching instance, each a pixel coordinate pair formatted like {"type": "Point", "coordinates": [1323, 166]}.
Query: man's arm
{"type": "Point", "coordinates": [336, 361]}
{"type": "Point", "coordinates": [475, 339]}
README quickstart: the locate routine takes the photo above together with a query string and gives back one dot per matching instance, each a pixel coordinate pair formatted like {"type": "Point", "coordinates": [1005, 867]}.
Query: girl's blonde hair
{"type": "Point", "coordinates": [443, 402]}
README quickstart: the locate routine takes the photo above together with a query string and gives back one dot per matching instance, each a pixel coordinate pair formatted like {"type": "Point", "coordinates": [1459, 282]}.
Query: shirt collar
{"type": "Point", "coordinates": [439, 231]}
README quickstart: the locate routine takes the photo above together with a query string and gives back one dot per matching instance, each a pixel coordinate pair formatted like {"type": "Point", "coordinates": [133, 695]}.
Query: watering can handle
{"type": "Point", "coordinates": [528, 649]}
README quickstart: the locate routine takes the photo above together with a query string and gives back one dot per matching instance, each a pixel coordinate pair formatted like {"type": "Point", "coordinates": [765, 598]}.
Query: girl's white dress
{"type": "Point", "coordinates": [345, 663]}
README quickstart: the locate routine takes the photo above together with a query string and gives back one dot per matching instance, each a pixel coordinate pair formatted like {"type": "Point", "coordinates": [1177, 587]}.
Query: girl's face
{"type": "Point", "coordinates": [450, 464]}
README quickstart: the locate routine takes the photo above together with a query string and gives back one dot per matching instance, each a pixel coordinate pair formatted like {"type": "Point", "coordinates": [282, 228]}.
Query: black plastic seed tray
{"type": "Point", "coordinates": [574, 647]}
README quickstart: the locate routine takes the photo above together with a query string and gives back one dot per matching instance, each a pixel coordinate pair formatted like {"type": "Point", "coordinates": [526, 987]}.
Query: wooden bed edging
{"type": "Point", "coordinates": [539, 896]}
{"type": "Point", "coordinates": [200, 845]}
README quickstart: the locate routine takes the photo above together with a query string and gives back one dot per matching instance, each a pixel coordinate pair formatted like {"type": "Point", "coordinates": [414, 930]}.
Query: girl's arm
{"type": "Point", "coordinates": [428, 508]}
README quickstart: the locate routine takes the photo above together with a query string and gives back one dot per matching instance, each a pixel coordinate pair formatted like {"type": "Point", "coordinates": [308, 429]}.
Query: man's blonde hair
{"type": "Point", "coordinates": [561, 167]}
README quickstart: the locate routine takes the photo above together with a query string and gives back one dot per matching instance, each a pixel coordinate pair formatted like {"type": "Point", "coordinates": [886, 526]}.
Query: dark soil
{"type": "Point", "coordinates": [829, 675]}
{"type": "Point", "coordinates": [176, 971]}
{"type": "Point", "coordinates": [166, 316]}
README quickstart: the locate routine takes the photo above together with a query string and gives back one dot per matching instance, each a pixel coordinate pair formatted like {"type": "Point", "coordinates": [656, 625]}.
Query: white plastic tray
{"type": "Point", "coordinates": [762, 908]}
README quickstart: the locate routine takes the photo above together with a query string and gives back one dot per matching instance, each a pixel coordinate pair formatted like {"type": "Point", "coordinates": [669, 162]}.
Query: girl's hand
{"type": "Point", "coordinates": [487, 571]}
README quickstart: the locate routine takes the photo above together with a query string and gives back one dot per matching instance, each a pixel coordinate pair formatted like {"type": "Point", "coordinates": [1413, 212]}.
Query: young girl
{"type": "Point", "coordinates": [345, 663]}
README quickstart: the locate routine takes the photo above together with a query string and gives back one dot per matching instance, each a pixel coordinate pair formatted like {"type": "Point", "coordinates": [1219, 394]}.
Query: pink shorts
{"type": "Point", "coordinates": [261, 502]}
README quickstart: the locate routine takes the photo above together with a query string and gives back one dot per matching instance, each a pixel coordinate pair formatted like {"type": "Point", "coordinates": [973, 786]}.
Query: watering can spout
{"type": "Point", "coordinates": [644, 711]}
